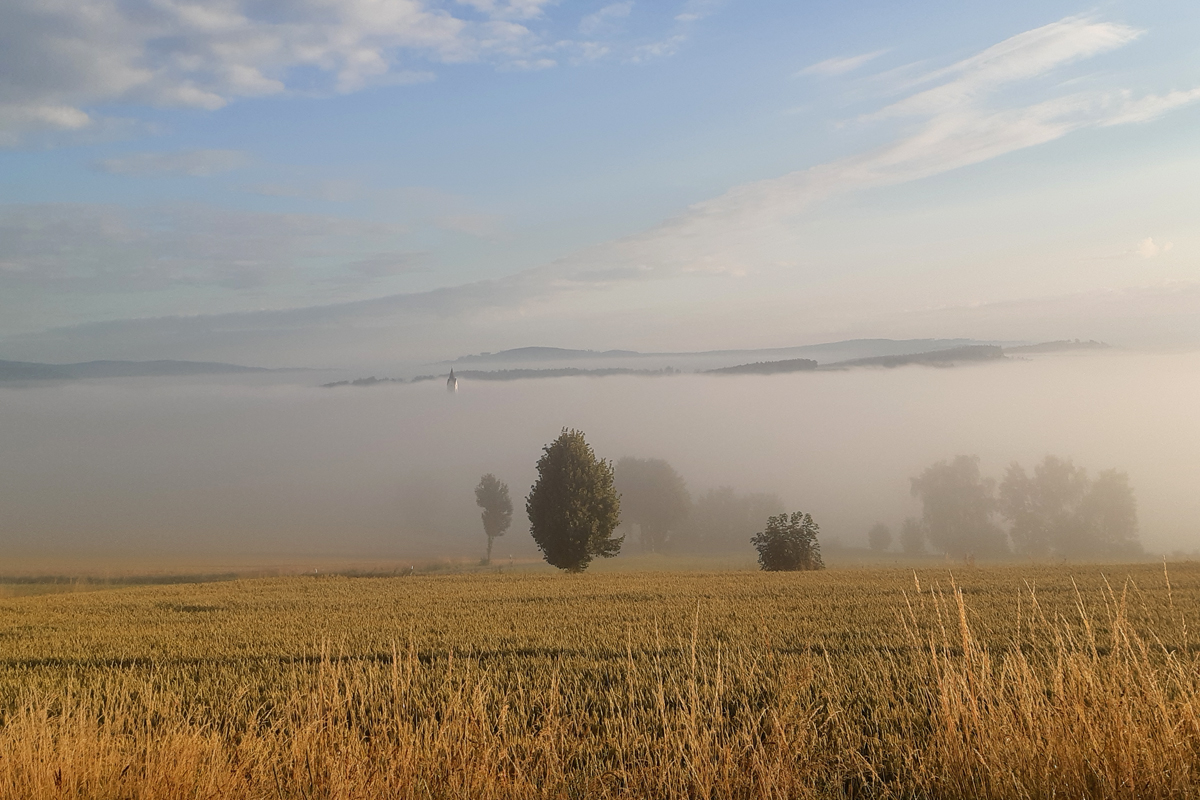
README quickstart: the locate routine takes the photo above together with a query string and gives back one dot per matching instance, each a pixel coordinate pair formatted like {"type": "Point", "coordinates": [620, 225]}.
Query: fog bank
{"type": "Point", "coordinates": [243, 464]}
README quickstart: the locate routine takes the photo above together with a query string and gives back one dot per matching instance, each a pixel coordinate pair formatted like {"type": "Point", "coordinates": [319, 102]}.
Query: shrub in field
{"type": "Point", "coordinates": [789, 543]}
{"type": "Point", "coordinates": [573, 508]}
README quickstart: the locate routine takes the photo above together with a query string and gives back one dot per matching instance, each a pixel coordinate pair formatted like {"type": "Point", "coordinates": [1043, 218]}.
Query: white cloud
{"type": "Point", "coordinates": [840, 66]}
{"type": "Point", "coordinates": [195, 163]}
{"type": "Point", "coordinates": [512, 9]}
{"type": "Point", "coordinates": [1148, 248]}
{"type": "Point", "coordinates": [1023, 57]}
{"type": "Point", "coordinates": [16, 119]}
{"type": "Point", "coordinates": [609, 21]}
{"type": "Point", "coordinates": [1150, 107]}
{"type": "Point", "coordinates": [93, 249]}
{"type": "Point", "coordinates": [534, 64]}
{"type": "Point", "coordinates": [382, 265]}
{"type": "Point", "coordinates": [64, 61]}
{"type": "Point", "coordinates": [481, 225]}
{"type": "Point", "coordinates": [955, 122]}
{"type": "Point", "coordinates": [61, 58]}
{"type": "Point", "coordinates": [605, 18]}
{"type": "Point", "coordinates": [696, 10]}
{"type": "Point", "coordinates": [332, 191]}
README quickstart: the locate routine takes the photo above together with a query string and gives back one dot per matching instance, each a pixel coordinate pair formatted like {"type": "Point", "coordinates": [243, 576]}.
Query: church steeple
{"type": "Point", "coordinates": [452, 382]}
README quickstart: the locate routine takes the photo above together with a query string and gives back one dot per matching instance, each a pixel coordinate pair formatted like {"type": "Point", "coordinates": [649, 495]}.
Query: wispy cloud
{"type": "Point", "coordinates": [1020, 58]}
{"type": "Point", "coordinates": [194, 163]}
{"type": "Point", "coordinates": [482, 225]}
{"type": "Point", "coordinates": [66, 64]}
{"type": "Point", "coordinates": [606, 18]}
{"type": "Point", "coordinates": [840, 65]}
{"type": "Point", "coordinates": [509, 9]}
{"type": "Point", "coordinates": [954, 119]}
{"type": "Point", "coordinates": [334, 190]}
{"type": "Point", "coordinates": [91, 249]}
{"type": "Point", "coordinates": [1148, 248]}
{"type": "Point", "coordinates": [1150, 107]}
{"type": "Point", "coordinates": [381, 265]}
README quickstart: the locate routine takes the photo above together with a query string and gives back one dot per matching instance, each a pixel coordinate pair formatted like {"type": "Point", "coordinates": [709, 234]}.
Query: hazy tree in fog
{"type": "Point", "coordinates": [722, 519]}
{"type": "Point", "coordinates": [1044, 510]}
{"type": "Point", "coordinates": [492, 496]}
{"type": "Point", "coordinates": [653, 497]}
{"type": "Point", "coordinates": [1110, 513]}
{"type": "Point", "coordinates": [1059, 511]}
{"type": "Point", "coordinates": [789, 544]}
{"type": "Point", "coordinates": [912, 536]}
{"type": "Point", "coordinates": [958, 503]}
{"type": "Point", "coordinates": [879, 537]}
{"type": "Point", "coordinates": [573, 507]}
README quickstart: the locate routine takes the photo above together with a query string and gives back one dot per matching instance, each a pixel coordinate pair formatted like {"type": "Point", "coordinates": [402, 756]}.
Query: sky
{"type": "Point", "coordinates": [377, 182]}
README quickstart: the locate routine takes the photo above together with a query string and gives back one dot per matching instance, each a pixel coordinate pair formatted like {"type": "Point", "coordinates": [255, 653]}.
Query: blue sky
{"type": "Point", "coordinates": [375, 181]}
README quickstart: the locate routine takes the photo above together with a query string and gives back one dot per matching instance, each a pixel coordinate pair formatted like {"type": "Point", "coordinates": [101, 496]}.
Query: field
{"type": "Point", "coordinates": [1067, 681]}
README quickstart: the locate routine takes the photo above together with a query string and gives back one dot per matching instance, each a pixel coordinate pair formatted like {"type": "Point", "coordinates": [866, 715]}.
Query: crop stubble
{"type": "Point", "coordinates": [1076, 681]}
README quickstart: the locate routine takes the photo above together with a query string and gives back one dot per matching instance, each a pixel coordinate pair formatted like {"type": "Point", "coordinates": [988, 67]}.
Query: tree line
{"type": "Point", "coordinates": [575, 509]}
{"type": "Point", "coordinates": [1057, 511]}
{"type": "Point", "coordinates": [583, 507]}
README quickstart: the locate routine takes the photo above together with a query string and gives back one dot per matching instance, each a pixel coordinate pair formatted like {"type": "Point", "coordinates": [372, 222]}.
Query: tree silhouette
{"type": "Point", "coordinates": [912, 537]}
{"type": "Point", "coordinates": [492, 496]}
{"type": "Point", "coordinates": [1045, 510]}
{"type": "Point", "coordinates": [573, 507]}
{"type": "Point", "coordinates": [958, 503]}
{"type": "Point", "coordinates": [879, 537]}
{"type": "Point", "coordinates": [789, 544]}
{"type": "Point", "coordinates": [722, 519]}
{"type": "Point", "coordinates": [653, 497]}
{"type": "Point", "coordinates": [1110, 514]}
{"type": "Point", "coordinates": [1060, 511]}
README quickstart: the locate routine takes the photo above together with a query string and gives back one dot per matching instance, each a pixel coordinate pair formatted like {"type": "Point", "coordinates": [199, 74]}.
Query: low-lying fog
{"type": "Point", "coordinates": [253, 465]}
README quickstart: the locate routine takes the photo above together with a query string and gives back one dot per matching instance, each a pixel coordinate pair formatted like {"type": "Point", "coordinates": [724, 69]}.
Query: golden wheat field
{"type": "Point", "coordinates": [1068, 681]}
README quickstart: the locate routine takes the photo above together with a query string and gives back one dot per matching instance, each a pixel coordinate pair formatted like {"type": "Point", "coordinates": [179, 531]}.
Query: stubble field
{"type": "Point", "coordinates": [1073, 681]}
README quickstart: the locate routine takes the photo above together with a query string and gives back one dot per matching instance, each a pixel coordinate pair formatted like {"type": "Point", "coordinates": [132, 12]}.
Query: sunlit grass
{"type": "Point", "coordinates": [999, 682]}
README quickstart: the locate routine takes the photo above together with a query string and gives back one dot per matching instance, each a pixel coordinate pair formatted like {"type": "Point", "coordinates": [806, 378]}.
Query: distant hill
{"type": "Point", "coordinates": [523, 374]}
{"type": "Point", "coordinates": [544, 354]}
{"type": "Point", "coordinates": [1058, 347]}
{"type": "Point", "coordinates": [940, 357]}
{"type": "Point", "coordinates": [767, 367]}
{"type": "Point", "coordinates": [33, 371]}
{"type": "Point", "coordinates": [704, 360]}
{"type": "Point", "coordinates": [936, 358]}
{"type": "Point", "coordinates": [975, 352]}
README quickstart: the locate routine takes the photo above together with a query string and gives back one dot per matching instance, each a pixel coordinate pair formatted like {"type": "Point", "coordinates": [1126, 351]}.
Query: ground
{"type": "Point", "coordinates": [624, 683]}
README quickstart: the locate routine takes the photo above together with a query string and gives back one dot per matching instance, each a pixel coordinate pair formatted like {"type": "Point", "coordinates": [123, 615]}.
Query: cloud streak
{"type": "Point", "coordinates": [193, 163]}
{"type": "Point", "coordinates": [955, 122]}
{"type": "Point", "coordinates": [831, 67]}
{"type": "Point", "coordinates": [64, 63]}
{"type": "Point", "coordinates": [89, 249]}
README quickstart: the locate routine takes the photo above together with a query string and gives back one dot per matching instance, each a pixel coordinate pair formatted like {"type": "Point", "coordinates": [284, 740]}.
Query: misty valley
{"type": "Point", "coordinates": [250, 465]}
{"type": "Point", "coordinates": [599, 400]}
{"type": "Point", "coordinates": [893, 578]}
